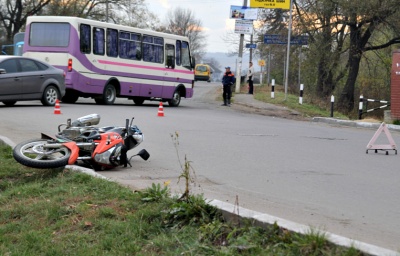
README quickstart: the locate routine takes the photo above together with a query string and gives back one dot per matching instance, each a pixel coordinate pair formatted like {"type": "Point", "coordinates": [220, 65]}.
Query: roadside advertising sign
{"type": "Point", "coordinates": [270, 4]}
{"type": "Point", "coordinates": [244, 27]}
{"type": "Point", "coordinates": [243, 13]}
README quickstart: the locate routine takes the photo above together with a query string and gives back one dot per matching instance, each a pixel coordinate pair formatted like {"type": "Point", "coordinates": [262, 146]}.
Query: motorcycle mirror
{"type": "Point", "coordinates": [131, 121]}
{"type": "Point", "coordinates": [144, 154]}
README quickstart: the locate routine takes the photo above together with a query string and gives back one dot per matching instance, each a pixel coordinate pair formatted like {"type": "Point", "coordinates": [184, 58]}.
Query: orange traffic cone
{"type": "Point", "coordinates": [57, 110]}
{"type": "Point", "coordinates": [161, 110]}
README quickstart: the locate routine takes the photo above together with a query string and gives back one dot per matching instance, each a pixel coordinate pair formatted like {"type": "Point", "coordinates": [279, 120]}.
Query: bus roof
{"type": "Point", "coordinates": [68, 19]}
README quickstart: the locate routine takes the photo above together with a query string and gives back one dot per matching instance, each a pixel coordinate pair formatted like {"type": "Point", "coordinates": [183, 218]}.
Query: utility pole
{"type": "Point", "coordinates": [251, 49]}
{"type": "Point", "coordinates": [269, 65]}
{"type": "Point", "coordinates": [239, 60]}
{"type": "Point", "coordinates": [288, 49]}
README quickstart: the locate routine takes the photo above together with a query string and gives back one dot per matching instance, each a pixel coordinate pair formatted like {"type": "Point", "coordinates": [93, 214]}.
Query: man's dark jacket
{"type": "Point", "coordinates": [228, 78]}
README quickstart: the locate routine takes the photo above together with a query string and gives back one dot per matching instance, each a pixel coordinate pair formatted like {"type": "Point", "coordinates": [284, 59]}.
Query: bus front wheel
{"type": "Point", "coordinates": [108, 97]}
{"type": "Point", "coordinates": [176, 99]}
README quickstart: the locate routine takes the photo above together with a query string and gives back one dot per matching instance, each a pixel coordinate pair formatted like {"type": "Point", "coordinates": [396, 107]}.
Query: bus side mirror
{"type": "Point", "coordinates": [193, 62]}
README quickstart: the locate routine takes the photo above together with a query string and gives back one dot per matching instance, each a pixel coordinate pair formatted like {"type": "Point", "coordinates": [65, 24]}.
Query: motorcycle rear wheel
{"type": "Point", "coordinates": [32, 154]}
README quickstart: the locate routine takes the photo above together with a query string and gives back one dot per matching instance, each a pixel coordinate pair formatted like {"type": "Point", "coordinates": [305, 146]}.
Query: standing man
{"type": "Point", "coordinates": [250, 77]}
{"type": "Point", "coordinates": [227, 81]}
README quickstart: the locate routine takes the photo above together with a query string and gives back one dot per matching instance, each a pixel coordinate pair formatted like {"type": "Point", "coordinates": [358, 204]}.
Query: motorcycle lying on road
{"type": "Point", "coordinates": [80, 142]}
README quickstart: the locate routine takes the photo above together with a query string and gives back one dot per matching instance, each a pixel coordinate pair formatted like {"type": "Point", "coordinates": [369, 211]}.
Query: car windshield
{"type": "Point", "coordinates": [201, 68]}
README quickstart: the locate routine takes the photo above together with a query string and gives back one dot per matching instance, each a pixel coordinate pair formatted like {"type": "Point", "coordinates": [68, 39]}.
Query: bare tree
{"type": "Point", "coordinates": [136, 14]}
{"type": "Point", "coordinates": [13, 14]}
{"type": "Point", "coordinates": [340, 33]}
{"type": "Point", "coordinates": [183, 22]}
{"type": "Point", "coordinates": [102, 10]}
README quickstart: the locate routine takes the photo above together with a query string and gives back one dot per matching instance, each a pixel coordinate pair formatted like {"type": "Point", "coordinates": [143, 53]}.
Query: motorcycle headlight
{"type": "Point", "coordinates": [138, 137]}
{"type": "Point", "coordinates": [103, 157]}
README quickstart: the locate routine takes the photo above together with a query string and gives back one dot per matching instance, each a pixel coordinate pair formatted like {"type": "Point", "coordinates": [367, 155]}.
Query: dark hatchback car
{"type": "Point", "coordinates": [23, 78]}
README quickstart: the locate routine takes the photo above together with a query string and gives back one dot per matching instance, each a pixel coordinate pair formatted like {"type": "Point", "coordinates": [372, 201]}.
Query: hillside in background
{"type": "Point", "coordinates": [225, 60]}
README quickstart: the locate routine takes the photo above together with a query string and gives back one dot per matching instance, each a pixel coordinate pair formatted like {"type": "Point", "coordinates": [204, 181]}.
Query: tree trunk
{"type": "Point", "coordinates": [346, 100]}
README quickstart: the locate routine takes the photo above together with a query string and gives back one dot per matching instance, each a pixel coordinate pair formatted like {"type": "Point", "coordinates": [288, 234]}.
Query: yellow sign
{"type": "Point", "coordinates": [270, 4]}
{"type": "Point", "coordinates": [261, 62]}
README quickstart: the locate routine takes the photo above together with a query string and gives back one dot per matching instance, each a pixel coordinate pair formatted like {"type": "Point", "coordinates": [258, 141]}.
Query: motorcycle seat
{"type": "Point", "coordinates": [93, 135]}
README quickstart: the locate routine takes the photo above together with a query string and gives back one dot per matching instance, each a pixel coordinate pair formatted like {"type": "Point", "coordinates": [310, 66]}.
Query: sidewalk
{"type": "Point", "coordinates": [249, 101]}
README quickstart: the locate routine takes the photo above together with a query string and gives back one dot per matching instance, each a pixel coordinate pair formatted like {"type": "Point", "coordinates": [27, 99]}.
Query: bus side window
{"type": "Point", "coordinates": [153, 49]}
{"type": "Point", "coordinates": [178, 53]}
{"type": "Point", "coordinates": [98, 41]}
{"type": "Point", "coordinates": [136, 46]}
{"type": "Point", "coordinates": [170, 55]}
{"type": "Point", "coordinates": [85, 38]}
{"type": "Point", "coordinates": [112, 42]}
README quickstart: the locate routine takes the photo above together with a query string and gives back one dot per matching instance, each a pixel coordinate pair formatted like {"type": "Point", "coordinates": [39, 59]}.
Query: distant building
{"type": "Point", "coordinates": [395, 86]}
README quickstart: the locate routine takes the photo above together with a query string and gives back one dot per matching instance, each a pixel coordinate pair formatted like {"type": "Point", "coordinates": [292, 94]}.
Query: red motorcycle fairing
{"type": "Point", "coordinates": [74, 152]}
{"type": "Point", "coordinates": [108, 141]}
{"type": "Point", "coordinates": [71, 145]}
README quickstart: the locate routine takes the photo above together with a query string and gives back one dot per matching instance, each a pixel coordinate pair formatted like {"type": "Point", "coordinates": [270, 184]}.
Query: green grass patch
{"type": "Point", "coordinates": [291, 101]}
{"type": "Point", "coordinates": [60, 212]}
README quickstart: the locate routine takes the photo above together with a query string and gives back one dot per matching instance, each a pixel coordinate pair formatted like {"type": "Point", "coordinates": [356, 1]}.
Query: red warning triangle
{"type": "Point", "coordinates": [391, 146]}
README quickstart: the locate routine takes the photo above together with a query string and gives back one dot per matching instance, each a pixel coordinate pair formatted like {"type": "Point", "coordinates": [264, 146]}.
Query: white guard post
{"type": "Point", "coordinates": [273, 89]}
{"type": "Point", "coordinates": [385, 147]}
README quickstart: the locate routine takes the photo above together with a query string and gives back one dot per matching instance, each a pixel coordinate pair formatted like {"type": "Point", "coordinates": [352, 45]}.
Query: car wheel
{"type": "Point", "coordinates": [50, 96]}
{"type": "Point", "coordinates": [108, 97]}
{"type": "Point", "coordinates": [9, 103]}
{"type": "Point", "coordinates": [176, 99]}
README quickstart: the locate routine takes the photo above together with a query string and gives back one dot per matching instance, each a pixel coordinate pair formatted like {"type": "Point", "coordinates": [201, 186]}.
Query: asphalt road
{"type": "Point", "coordinates": [311, 173]}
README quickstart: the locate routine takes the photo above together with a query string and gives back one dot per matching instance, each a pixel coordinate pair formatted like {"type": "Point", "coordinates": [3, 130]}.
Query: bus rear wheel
{"type": "Point", "coordinates": [108, 97]}
{"type": "Point", "coordinates": [70, 97]}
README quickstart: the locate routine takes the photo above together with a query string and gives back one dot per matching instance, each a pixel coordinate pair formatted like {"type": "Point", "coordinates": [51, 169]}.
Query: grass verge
{"type": "Point", "coordinates": [60, 212]}
{"type": "Point", "coordinates": [263, 93]}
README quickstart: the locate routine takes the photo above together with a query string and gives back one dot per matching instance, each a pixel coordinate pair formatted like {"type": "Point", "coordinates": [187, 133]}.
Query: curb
{"type": "Point", "coordinates": [354, 123]}
{"type": "Point", "coordinates": [260, 219]}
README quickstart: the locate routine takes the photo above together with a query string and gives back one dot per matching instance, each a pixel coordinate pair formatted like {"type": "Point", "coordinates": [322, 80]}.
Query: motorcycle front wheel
{"type": "Point", "coordinates": [31, 153]}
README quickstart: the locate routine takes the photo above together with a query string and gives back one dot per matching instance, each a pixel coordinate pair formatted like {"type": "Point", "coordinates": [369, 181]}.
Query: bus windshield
{"type": "Point", "coordinates": [49, 34]}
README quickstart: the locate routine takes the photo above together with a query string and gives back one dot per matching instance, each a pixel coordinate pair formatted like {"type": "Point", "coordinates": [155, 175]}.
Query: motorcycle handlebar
{"type": "Point", "coordinates": [127, 125]}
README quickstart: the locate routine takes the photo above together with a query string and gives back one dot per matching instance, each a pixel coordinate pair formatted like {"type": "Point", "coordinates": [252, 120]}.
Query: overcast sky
{"type": "Point", "coordinates": [214, 15]}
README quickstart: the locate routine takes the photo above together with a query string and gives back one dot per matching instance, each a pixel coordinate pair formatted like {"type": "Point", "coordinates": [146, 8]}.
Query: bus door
{"type": "Point", "coordinates": [98, 54]}
{"type": "Point", "coordinates": [170, 77]}
{"type": "Point", "coordinates": [92, 46]}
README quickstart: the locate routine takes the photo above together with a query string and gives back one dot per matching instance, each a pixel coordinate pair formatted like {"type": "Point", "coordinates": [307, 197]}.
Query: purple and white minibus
{"type": "Point", "coordinates": [105, 61]}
